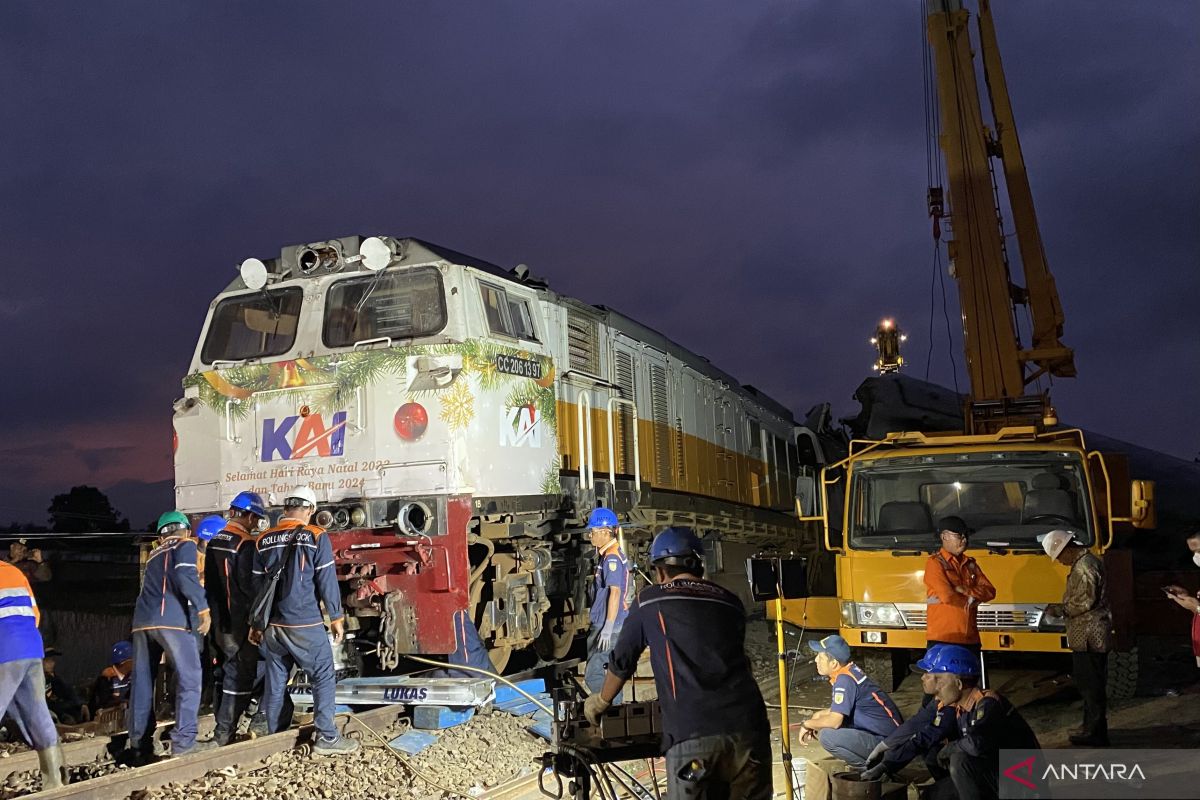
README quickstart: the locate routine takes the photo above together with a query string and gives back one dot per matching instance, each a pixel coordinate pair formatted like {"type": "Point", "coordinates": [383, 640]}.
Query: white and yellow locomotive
{"type": "Point", "coordinates": [458, 421]}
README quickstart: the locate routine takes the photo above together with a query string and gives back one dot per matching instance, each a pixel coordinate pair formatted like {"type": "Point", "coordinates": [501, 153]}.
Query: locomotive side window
{"type": "Point", "coordinates": [507, 316]}
{"type": "Point", "coordinates": [253, 326]}
{"type": "Point", "coordinates": [400, 305]}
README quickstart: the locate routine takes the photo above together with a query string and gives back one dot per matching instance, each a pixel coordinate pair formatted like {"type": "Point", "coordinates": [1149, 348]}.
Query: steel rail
{"type": "Point", "coordinates": [180, 770]}
{"type": "Point", "coordinates": [81, 751]}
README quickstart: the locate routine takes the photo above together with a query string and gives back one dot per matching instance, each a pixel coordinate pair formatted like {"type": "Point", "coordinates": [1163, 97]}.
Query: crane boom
{"type": "Point", "coordinates": [1047, 351]}
{"type": "Point", "coordinates": [999, 366]}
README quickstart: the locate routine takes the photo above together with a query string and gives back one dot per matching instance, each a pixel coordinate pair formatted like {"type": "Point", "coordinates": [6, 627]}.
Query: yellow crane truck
{"type": "Point", "coordinates": [1012, 473]}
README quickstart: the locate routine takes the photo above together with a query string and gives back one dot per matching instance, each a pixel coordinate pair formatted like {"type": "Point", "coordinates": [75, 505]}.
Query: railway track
{"type": "Point", "coordinates": [125, 782]}
{"type": "Point", "coordinates": [239, 758]}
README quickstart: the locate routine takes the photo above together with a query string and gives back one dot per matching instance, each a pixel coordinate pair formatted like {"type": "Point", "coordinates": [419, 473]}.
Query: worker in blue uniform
{"type": "Point", "coordinates": [923, 734]}
{"type": "Point", "coordinates": [715, 729]}
{"type": "Point", "coordinates": [229, 566]}
{"type": "Point", "coordinates": [611, 587]}
{"type": "Point", "coordinates": [969, 728]}
{"type": "Point", "coordinates": [469, 649]}
{"type": "Point", "coordinates": [301, 554]}
{"type": "Point", "coordinates": [170, 611]}
{"type": "Point", "coordinates": [111, 688]}
{"type": "Point", "coordinates": [860, 714]}
{"type": "Point", "coordinates": [22, 680]}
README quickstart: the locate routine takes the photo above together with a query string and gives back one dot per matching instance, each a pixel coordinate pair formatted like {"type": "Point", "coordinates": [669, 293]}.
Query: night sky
{"type": "Point", "coordinates": [748, 178]}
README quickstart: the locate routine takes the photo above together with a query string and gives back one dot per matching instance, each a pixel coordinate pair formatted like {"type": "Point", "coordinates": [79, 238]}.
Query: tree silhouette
{"type": "Point", "coordinates": [85, 509]}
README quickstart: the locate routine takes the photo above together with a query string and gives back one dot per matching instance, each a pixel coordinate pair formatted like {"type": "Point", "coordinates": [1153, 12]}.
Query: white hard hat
{"type": "Point", "coordinates": [303, 494]}
{"type": "Point", "coordinates": [1055, 542]}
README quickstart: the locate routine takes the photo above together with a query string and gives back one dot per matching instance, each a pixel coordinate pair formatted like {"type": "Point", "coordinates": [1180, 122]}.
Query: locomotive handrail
{"type": "Point", "coordinates": [229, 435]}
{"type": "Point", "coordinates": [584, 434]}
{"type": "Point", "coordinates": [377, 340]}
{"type": "Point", "coordinates": [612, 448]}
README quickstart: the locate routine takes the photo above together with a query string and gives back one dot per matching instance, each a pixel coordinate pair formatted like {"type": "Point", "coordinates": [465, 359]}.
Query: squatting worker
{"type": "Point", "coordinates": [296, 633]}
{"type": "Point", "coordinates": [610, 601]}
{"type": "Point", "coordinates": [1089, 631]}
{"type": "Point", "coordinates": [715, 729]}
{"type": "Point", "coordinates": [1185, 600]}
{"type": "Point", "coordinates": [922, 734]}
{"type": "Point", "coordinates": [111, 688]}
{"type": "Point", "coordinates": [859, 716]}
{"type": "Point", "coordinates": [956, 586]}
{"type": "Point", "coordinates": [229, 568]}
{"type": "Point", "coordinates": [170, 611]}
{"type": "Point", "coordinates": [985, 723]}
{"type": "Point", "coordinates": [22, 681]}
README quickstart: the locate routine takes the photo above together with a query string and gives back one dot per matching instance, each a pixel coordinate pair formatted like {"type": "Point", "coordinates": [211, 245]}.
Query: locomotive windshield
{"type": "Point", "coordinates": [1007, 501]}
{"type": "Point", "coordinates": [258, 325]}
{"type": "Point", "coordinates": [399, 305]}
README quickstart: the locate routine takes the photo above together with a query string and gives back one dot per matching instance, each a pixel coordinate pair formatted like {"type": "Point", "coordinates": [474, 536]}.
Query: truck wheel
{"type": "Point", "coordinates": [885, 667]}
{"type": "Point", "coordinates": [1122, 674]}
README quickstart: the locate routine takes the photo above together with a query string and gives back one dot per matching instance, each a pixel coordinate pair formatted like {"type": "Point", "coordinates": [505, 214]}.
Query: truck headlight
{"type": "Point", "coordinates": [872, 615]}
{"type": "Point", "coordinates": [1050, 624]}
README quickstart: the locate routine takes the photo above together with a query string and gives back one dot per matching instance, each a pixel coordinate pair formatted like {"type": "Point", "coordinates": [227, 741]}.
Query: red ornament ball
{"type": "Point", "coordinates": [411, 421]}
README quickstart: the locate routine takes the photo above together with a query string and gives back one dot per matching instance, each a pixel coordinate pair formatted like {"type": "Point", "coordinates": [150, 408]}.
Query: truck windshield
{"type": "Point", "coordinates": [397, 305]}
{"type": "Point", "coordinates": [256, 325]}
{"type": "Point", "coordinates": [1006, 499]}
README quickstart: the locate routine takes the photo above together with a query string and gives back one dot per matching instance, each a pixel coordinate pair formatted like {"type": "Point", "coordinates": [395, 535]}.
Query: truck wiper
{"type": "Point", "coordinates": [909, 552]}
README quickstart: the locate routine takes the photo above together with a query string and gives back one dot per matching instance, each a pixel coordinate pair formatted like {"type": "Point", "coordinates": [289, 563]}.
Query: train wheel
{"type": "Point", "coordinates": [500, 656]}
{"type": "Point", "coordinates": [551, 645]}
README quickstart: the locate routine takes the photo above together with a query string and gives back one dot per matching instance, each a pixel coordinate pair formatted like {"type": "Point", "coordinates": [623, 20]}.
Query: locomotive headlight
{"type": "Point", "coordinates": [254, 274]}
{"type": "Point", "coordinates": [358, 516]}
{"type": "Point", "coordinates": [323, 518]}
{"type": "Point", "coordinates": [341, 518]}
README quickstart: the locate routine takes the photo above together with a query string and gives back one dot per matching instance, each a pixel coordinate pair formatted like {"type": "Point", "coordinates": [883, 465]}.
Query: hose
{"type": "Point", "coordinates": [404, 761]}
{"type": "Point", "coordinates": [491, 548]}
{"type": "Point", "coordinates": [489, 674]}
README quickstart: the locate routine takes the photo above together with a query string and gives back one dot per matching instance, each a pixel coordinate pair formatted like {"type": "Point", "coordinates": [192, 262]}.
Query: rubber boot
{"type": "Point", "coordinates": [54, 772]}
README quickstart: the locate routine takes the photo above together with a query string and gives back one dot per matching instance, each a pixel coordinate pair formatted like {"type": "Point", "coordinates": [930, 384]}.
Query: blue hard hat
{"type": "Point", "coordinates": [834, 646]}
{"type": "Point", "coordinates": [209, 527]}
{"type": "Point", "coordinates": [927, 660]}
{"type": "Point", "coordinates": [677, 546]}
{"type": "Point", "coordinates": [602, 518]}
{"type": "Point", "coordinates": [251, 502]}
{"type": "Point", "coordinates": [954, 659]}
{"type": "Point", "coordinates": [121, 651]}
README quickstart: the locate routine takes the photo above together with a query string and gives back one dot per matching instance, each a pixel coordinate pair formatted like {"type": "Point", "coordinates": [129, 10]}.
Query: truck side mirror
{"type": "Point", "coordinates": [808, 505]}
{"type": "Point", "coordinates": [1142, 512]}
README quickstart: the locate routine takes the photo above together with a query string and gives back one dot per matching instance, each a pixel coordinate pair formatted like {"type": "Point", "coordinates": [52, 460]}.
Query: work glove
{"type": "Point", "coordinates": [943, 756]}
{"type": "Point", "coordinates": [877, 754]}
{"type": "Point", "coordinates": [594, 708]}
{"type": "Point", "coordinates": [205, 623]}
{"type": "Point", "coordinates": [606, 636]}
{"type": "Point", "coordinates": [875, 773]}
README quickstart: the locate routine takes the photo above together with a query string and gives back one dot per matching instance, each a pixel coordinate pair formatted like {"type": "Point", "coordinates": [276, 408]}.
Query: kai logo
{"type": "Point", "coordinates": [520, 427]}
{"type": "Point", "coordinates": [303, 437]}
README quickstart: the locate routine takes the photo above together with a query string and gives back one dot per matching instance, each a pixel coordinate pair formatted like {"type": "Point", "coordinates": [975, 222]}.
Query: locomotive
{"type": "Point", "coordinates": [458, 421]}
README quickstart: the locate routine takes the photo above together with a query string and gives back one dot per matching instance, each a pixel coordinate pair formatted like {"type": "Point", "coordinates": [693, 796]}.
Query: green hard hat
{"type": "Point", "coordinates": [174, 519]}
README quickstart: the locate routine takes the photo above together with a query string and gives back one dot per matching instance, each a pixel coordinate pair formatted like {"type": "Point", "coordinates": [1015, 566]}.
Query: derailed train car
{"type": "Point", "coordinates": [458, 421]}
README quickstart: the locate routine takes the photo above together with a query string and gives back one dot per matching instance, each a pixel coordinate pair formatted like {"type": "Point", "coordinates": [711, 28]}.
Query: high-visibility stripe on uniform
{"type": "Point", "coordinates": [17, 611]}
{"type": "Point", "coordinates": [670, 663]}
{"type": "Point", "coordinates": [19, 617]}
